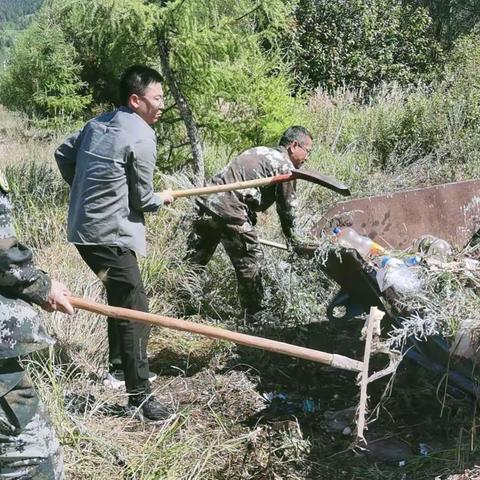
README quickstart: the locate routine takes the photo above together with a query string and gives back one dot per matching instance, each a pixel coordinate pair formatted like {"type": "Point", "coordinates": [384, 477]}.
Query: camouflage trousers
{"type": "Point", "coordinates": [241, 245]}
{"type": "Point", "coordinates": [29, 448]}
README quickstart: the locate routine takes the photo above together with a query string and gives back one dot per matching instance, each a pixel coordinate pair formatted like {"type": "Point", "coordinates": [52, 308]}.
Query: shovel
{"type": "Point", "coordinates": [334, 360]}
{"type": "Point", "coordinates": [307, 175]}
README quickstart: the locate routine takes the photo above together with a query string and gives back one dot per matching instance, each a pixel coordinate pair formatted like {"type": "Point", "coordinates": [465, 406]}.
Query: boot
{"type": "Point", "coordinates": [146, 408]}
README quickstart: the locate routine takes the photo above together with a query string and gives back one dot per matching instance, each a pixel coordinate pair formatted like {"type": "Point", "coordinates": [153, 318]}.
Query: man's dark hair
{"type": "Point", "coordinates": [296, 133]}
{"type": "Point", "coordinates": [136, 79]}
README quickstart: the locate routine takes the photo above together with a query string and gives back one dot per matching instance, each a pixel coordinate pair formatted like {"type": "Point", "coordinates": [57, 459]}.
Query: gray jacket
{"type": "Point", "coordinates": [109, 166]}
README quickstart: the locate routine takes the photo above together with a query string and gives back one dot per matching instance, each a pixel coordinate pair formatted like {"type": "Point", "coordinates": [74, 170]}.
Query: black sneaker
{"type": "Point", "coordinates": [148, 408]}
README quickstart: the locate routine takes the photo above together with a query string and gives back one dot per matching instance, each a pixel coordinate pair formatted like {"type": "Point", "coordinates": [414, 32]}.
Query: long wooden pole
{"type": "Point", "coordinates": [228, 187]}
{"type": "Point", "coordinates": [306, 175]}
{"type": "Point", "coordinates": [338, 361]}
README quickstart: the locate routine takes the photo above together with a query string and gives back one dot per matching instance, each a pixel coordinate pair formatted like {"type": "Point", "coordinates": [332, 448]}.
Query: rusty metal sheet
{"type": "Point", "coordinates": [450, 211]}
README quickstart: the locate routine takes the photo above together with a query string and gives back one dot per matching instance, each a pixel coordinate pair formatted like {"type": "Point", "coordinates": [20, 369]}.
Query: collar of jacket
{"type": "Point", "coordinates": [123, 108]}
{"type": "Point", "coordinates": [284, 152]}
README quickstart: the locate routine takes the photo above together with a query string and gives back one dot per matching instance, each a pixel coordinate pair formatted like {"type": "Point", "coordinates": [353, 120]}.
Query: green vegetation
{"type": "Point", "coordinates": [214, 48]}
{"type": "Point", "coordinates": [232, 63]}
{"type": "Point", "coordinates": [451, 19]}
{"type": "Point", "coordinates": [361, 43]}
{"type": "Point", "coordinates": [55, 88]}
{"type": "Point", "coordinates": [390, 91]}
{"type": "Point", "coordinates": [15, 16]}
{"type": "Point", "coordinates": [17, 12]}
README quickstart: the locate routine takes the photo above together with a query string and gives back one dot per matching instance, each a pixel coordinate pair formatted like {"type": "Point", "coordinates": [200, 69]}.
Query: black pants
{"type": "Point", "coordinates": [118, 270]}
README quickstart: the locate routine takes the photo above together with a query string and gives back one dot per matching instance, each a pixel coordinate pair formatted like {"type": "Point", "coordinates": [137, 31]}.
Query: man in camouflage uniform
{"type": "Point", "coordinates": [28, 445]}
{"type": "Point", "coordinates": [229, 218]}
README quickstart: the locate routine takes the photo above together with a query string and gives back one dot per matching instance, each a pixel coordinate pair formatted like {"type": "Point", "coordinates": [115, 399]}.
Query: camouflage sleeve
{"type": "Point", "coordinates": [66, 156]}
{"type": "Point", "coordinates": [286, 200]}
{"type": "Point", "coordinates": [18, 275]}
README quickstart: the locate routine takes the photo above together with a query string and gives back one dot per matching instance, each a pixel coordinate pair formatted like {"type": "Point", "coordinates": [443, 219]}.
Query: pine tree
{"type": "Point", "coordinates": [225, 76]}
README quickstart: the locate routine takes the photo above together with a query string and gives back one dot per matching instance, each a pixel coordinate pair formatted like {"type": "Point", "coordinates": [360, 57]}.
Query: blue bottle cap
{"type": "Point", "coordinates": [384, 260]}
{"type": "Point", "coordinates": [413, 261]}
{"type": "Point", "coordinates": [337, 230]}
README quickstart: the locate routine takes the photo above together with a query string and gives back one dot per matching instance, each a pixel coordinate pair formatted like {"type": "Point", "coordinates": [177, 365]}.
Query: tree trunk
{"type": "Point", "coordinates": [184, 108]}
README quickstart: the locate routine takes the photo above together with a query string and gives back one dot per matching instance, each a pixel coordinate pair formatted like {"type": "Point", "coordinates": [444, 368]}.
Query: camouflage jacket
{"type": "Point", "coordinates": [21, 326]}
{"type": "Point", "coordinates": [239, 207]}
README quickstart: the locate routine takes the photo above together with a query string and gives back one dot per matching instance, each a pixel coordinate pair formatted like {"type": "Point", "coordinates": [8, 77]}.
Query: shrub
{"type": "Point", "coordinates": [44, 76]}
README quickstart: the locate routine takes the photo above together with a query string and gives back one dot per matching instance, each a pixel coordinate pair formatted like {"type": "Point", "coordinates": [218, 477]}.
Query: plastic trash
{"type": "Point", "coordinates": [424, 449]}
{"type": "Point", "coordinates": [347, 237]}
{"type": "Point", "coordinates": [471, 263]}
{"type": "Point", "coordinates": [291, 403]}
{"type": "Point", "coordinates": [394, 273]}
{"type": "Point", "coordinates": [412, 261]}
{"type": "Point", "coordinates": [432, 246]}
{"type": "Point", "coordinates": [308, 405]}
{"type": "Point", "coordinates": [271, 396]}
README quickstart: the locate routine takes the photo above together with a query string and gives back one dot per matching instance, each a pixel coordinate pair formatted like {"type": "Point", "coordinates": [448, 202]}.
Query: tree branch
{"type": "Point", "coordinates": [171, 121]}
{"type": "Point", "coordinates": [183, 107]}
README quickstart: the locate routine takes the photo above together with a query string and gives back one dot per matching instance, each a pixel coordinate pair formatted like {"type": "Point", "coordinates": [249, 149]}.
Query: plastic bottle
{"type": "Point", "coordinates": [347, 237]}
{"type": "Point", "coordinates": [433, 246]}
{"type": "Point", "coordinates": [396, 274]}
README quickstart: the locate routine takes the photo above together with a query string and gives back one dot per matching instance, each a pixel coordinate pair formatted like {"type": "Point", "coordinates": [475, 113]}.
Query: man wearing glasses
{"type": "Point", "coordinates": [229, 218]}
{"type": "Point", "coordinates": [109, 165]}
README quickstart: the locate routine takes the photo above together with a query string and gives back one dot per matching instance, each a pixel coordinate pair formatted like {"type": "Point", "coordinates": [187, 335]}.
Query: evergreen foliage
{"type": "Point", "coordinates": [238, 93]}
{"type": "Point", "coordinates": [107, 35]}
{"type": "Point", "coordinates": [43, 78]}
{"type": "Point", "coordinates": [451, 18]}
{"type": "Point", "coordinates": [360, 43]}
{"type": "Point", "coordinates": [15, 15]}
{"type": "Point", "coordinates": [17, 12]}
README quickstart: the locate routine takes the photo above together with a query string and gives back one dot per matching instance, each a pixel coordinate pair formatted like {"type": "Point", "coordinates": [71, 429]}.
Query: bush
{"type": "Point", "coordinates": [361, 43]}
{"type": "Point", "coordinates": [43, 77]}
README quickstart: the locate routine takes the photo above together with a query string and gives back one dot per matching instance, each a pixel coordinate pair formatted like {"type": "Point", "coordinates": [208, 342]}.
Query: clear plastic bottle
{"type": "Point", "coordinates": [396, 274]}
{"type": "Point", "coordinates": [347, 237]}
{"type": "Point", "coordinates": [433, 246]}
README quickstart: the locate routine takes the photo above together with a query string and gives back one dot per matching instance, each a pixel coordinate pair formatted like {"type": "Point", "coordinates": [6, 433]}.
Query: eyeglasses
{"type": "Point", "coordinates": [308, 151]}
{"type": "Point", "coordinates": [156, 102]}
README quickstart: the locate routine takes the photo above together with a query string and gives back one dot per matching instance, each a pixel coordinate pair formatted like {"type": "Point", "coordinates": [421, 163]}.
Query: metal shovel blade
{"type": "Point", "coordinates": [321, 179]}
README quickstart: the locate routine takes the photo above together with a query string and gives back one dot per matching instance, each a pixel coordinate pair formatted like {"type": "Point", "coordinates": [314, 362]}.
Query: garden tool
{"type": "Point", "coordinates": [306, 175]}
{"type": "Point", "coordinates": [333, 360]}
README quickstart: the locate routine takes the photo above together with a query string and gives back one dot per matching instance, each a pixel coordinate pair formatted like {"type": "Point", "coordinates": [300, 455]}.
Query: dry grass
{"type": "Point", "coordinates": [212, 435]}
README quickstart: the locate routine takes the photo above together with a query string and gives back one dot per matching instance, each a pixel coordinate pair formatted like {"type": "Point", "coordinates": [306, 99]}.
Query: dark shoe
{"type": "Point", "coordinates": [148, 408]}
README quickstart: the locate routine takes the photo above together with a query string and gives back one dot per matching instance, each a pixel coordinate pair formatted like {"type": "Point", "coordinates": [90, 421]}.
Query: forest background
{"type": "Point", "coordinates": [390, 90]}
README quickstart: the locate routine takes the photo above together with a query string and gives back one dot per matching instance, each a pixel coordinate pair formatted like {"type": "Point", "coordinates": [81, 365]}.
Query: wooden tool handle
{"type": "Point", "coordinates": [228, 187]}
{"type": "Point", "coordinates": [269, 243]}
{"type": "Point", "coordinates": [219, 333]}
